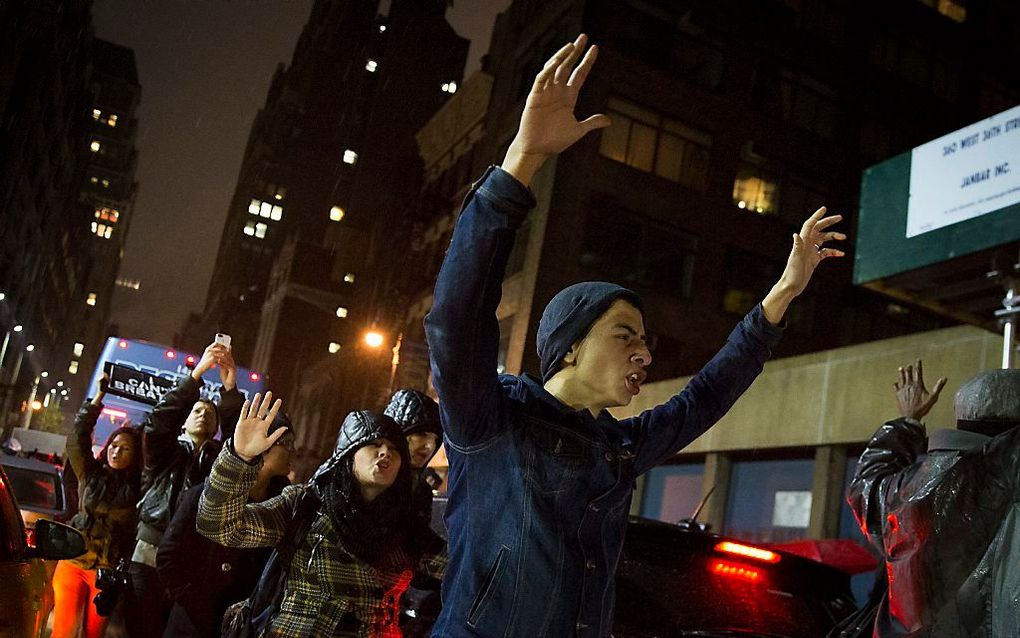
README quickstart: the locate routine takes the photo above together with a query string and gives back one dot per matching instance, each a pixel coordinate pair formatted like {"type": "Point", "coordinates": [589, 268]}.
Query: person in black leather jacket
{"type": "Point", "coordinates": [179, 450]}
{"type": "Point", "coordinates": [945, 515]}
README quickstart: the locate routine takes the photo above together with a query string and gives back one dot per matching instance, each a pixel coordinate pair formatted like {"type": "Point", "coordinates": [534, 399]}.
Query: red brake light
{"type": "Point", "coordinates": [721, 568]}
{"type": "Point", "coordinates": [747, 551]}
{"type": "Point", "coordinates": [122, 344]}
{"type": "Point", "coordinates": [254, 376]}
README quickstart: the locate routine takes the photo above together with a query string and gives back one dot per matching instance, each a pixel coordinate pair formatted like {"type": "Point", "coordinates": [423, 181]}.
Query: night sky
{"type": "Point", "coordinates": [204, 67]}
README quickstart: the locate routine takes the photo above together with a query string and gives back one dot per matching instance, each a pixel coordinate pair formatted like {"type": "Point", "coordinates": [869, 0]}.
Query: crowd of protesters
{"type": "Point", "coordinates": [540, 477]}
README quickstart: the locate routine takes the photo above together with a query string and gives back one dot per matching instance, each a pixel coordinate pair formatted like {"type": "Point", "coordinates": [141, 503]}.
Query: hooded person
{"type": "Point", "coordinates": [417, 414]}
{"type": "Point", "coordinates": [363, 544]}
{"type": "Point", "coordinates": [945, 515]}
{"type": "Point", "coordinates": [541, 475]}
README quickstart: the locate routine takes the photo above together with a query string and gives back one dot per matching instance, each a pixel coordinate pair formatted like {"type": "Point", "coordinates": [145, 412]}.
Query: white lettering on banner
{"type": "Point", "coordinates": [968, 173]}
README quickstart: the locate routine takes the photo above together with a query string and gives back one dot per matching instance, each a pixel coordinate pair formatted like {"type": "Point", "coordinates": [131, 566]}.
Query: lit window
{"type": "Point", "coordinates": [114, 215]}
{"type": "Point", "coordinates": [350, 157]}
{"type": "Point", "coordinates": [96, 114]}
{"type": "Point", "coordinates": [91, 299]}
{"type": "Point", "coordinates": [249, 229]}
{"type": "Point", "coordinates": [253, 207]}
{"type": "Point", "coordinates": [78, 349]}
{"type": "Point", "coordinates": [95, 146]}
{"type": "Point", "coordinates": [265, 209]}
{"type": "Point", "coordinates": [371, 66]}
{"type": "Point", "coordinates": [756, 190]}
{"type": "Point", "coordinates": [260, 230]}
{"type": "Point", "coordinates": [276, 213]}
{"type": "Point", "coordinates": [94, 180]}
{"type": "Point", "coordinates": [73, 368]}
{"type": "Point", "coordinates": [106, 183]}
{"type": "Point", "coordinates": [109, 231]}
{"type": "Point", "coordinates": [334, 347]}
{"type": "Point", "coordinates": [112, 121]}
{"type": "Point", "coordinates": [336, 213]}
{"type": "Point", "coordinates": [382, 28]}
{"type": "Point", "coordinates": [450, 87]}
{"type": "Point", "coordinates": [280, 193]}
{"type": "Point", "coordinates": [341, 312]}
{"type": "Point", "coordinates": [349, 278]}
{"type": "Point", "coordinates": [644, 140]}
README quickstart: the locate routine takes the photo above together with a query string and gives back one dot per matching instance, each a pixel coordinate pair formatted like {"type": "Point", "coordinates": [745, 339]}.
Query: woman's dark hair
{"type": "Point", "coordinates": [135, 469]}
{"type": "Point", "coordinates": [368, 528]}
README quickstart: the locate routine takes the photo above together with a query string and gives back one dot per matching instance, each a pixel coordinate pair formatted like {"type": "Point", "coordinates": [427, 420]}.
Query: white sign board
{"type": "Point", "coordinates": [966, 174]}
{"type": "Point", "coordinates": [792, 509]}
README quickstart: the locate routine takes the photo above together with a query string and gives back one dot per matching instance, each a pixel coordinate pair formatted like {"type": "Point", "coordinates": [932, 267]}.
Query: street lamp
{"type": "Point", "coordinates": [373, 339]}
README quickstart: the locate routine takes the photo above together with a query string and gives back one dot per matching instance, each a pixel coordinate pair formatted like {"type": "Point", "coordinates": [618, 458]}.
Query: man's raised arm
{"type": "Point", "coordinates": [462, 329]}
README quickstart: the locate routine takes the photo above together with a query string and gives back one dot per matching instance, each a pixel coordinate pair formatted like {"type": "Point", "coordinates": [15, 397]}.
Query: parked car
{"type": "Point", "coordinates": [39, 488]}
{"type": "Point", "coordinates": [679, 580]}
{"type": "Point", "coordinates": [26, 597]}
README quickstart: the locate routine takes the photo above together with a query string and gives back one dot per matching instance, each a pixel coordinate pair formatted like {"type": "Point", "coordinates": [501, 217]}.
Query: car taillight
{"type": "Point", "coordinates": [747, 551]}
{"type": "Point", "coordinates": [733, 570]}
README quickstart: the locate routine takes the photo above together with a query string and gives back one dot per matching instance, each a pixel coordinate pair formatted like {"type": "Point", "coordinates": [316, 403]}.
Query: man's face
{"type": "Point", "coordinates": [276, 460]}
{"type": "Point", "coordinates": [422, 446]}
{"type": "Point", "coordinates": [609, 363]}
{"type": "Point", "coordinates": [201, 420]}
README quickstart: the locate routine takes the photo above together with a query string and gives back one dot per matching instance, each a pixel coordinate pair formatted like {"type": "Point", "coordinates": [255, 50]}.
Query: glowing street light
{"type": "Point", "coordinates": [36, 405]}
{"type": "Point", "coordinates": [373, 339]}
{"type": "Point", "coordinates": [334, 347]}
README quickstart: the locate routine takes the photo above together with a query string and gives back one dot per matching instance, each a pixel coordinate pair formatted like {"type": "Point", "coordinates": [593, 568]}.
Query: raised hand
{"type": "Point", "coordinates": [213, 352]}
{"type": "Point", "coordinates": [912, 399]}
{"type": "Point", "coordinates": [548, 125]}
{"type": "Point", "coordinates": [102, 386]}
{"type": "Point", "coordinates": [251, 437]}
{"type": "Point", "coordinates": [228, 370]}
{"type": "Point", "coordinates": [809, 250]}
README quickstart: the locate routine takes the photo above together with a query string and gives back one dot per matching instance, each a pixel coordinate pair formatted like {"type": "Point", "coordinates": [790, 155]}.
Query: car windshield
{"type": "Point", "coordinates": [33, 488]}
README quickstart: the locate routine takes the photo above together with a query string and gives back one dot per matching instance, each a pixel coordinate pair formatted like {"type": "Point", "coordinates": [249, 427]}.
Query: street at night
{"type": "Point", "coordinates": [479, 318]}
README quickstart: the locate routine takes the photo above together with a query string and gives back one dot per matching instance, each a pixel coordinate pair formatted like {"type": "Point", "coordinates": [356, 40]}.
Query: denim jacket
{"type": "Point", "coordinates": [539, 494]}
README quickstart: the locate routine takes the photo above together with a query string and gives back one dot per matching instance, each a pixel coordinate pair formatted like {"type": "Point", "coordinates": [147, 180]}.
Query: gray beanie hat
{"type": "Point", "coordinates": [989, 402]}
{"type": "Point", "coordinates": [570, 314]}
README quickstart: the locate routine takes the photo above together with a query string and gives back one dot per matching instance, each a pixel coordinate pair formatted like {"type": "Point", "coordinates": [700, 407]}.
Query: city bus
{"type": "Point", "coordinates": [143, 371]}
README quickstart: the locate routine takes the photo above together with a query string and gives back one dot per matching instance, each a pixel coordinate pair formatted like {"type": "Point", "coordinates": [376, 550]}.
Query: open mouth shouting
{"type": "Point", "coordinates": [634, 381]}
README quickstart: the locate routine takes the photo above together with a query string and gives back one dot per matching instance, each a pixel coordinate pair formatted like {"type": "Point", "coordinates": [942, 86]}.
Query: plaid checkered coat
{"type": "Point", "coordinates": [329, 592]}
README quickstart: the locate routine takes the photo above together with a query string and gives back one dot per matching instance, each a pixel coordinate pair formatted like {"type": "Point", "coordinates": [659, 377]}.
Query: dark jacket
{"type": "Point", "coordinates": [539, 494]}
{"type": "Point", "coordinates": [172, 465]}
{"type": "Point", "coordinates": [203, 577]}
{"type": "Point", "coordinates": [948, 525]}
{"type": "Point", "coordinates": [107, 498]}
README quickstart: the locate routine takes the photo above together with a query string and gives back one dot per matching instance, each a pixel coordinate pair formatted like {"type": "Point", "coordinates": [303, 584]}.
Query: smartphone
{"type": "Point", "coordinates": [222, 339]}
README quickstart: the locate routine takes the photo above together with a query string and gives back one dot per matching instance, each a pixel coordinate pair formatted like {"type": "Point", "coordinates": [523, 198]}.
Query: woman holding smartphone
{"type": "Point", "coordinates": [109, 488]}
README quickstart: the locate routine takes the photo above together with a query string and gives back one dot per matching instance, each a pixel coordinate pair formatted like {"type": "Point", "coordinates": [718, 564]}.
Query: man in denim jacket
{"type": "Point", "coordinates": [541, 476]}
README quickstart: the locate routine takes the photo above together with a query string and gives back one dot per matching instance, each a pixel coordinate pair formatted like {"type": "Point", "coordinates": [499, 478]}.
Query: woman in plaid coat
{"type": "Point", "coordinates": [365, 543]}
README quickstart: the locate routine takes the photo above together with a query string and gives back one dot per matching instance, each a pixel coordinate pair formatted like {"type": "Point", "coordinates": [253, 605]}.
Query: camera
{"type": "Point", "coordinates": [110, 582]}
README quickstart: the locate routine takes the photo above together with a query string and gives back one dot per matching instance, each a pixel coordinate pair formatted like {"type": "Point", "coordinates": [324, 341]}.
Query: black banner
{"type": "Point", "coordinates": [135, 385]}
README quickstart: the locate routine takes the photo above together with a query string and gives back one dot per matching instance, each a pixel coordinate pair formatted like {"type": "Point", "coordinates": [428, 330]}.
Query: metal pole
{"type": "Point", "coordinates": [1009, 316]}
{"type": "Point", "coordinates": [3, 348]}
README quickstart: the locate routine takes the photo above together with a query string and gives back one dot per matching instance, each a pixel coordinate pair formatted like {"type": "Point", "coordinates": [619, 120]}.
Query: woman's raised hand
{"type": "Point", "coordinates": [251, 437]}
